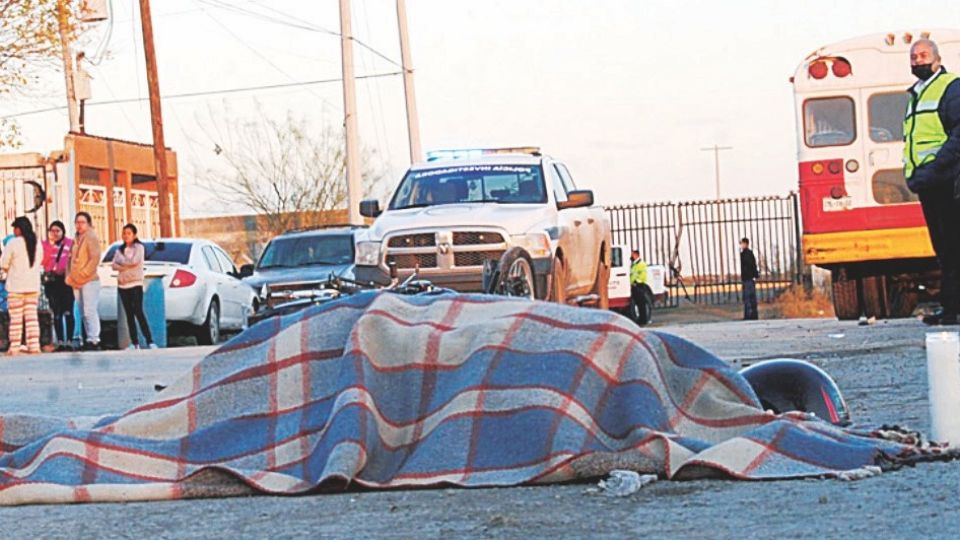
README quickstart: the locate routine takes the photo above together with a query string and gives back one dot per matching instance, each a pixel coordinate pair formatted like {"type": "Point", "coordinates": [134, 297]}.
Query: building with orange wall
{"type": "Point", "coordinates": [114, 180]}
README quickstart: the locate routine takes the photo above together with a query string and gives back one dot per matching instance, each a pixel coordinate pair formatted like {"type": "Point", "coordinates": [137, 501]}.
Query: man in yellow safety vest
{"type": "Point", "coordinates": [931, 158]}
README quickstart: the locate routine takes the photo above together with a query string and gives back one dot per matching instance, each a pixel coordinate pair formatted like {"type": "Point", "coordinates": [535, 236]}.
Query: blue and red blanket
{"type": "Point", "coordinates": [381, 390]}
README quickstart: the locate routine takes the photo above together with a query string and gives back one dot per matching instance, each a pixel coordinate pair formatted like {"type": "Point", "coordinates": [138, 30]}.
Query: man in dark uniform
{"type": "Point", "coordinates": [931, 158]}
{"type": "Point", "coordinates": [748, 277]}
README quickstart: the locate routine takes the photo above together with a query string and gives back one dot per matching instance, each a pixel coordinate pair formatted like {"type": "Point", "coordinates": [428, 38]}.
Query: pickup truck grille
{"type": "Point", "coordinates": [413, 240]}
{"type": "Point", "coordinates": [475, 258]}
{"type": "Point", "coordinates": [474, 238]}
{"type": "Point", "coordinates": [409, 261]}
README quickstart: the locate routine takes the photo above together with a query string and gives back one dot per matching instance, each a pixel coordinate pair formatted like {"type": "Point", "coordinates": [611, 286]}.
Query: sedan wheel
{"type": "Point", "coordinates": [209, 332]}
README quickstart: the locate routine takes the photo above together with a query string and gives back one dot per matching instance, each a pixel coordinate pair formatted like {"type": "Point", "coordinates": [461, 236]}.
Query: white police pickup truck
{"type": "Point", "coordinates": [459, 209]}
{"type": "Point", "coordinates": [654, 290]}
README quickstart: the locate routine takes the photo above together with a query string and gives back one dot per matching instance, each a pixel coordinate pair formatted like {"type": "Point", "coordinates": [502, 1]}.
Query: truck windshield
{"type": "Point", "coordinates": [318, 249]}
{"type": "Point", "coordinates": [471, 184]}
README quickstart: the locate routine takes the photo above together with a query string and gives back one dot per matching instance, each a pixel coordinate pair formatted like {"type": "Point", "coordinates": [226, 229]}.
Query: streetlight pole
{"type": "Point", "coordinates": [354, 190]}
{"type": "Point", "coordinates": [716, 149]}
{"type": "Point", "coordinates": [413, 121]}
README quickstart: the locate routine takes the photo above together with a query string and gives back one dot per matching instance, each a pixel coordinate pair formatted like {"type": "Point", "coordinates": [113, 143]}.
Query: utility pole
{"type": "Point", "coordinates": [354, 190]}
{"type": "Point", "coordinates": [716, 162]}
{"type": "Point", "coordinates": [63, 22]}
{"type": "Point", "coordinates": [156, 122]}
{"type": "Point", "coordinates": [413, 121]}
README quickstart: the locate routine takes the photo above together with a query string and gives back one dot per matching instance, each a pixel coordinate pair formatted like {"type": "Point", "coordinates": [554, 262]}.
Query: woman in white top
{"type": "Point", "coordinates": [22, 260]}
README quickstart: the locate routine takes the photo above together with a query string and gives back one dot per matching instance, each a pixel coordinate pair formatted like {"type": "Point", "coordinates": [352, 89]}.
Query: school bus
{"type": "Point", "coordinates": [860, 221]}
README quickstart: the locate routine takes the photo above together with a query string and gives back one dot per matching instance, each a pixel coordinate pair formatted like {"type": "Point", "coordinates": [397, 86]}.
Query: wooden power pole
{"type": "Point", "coordinates": [413, 121]}
{"type": "Point", "coordinates": [156, 122]}
{"type": "Point", "coordinates": [63, 23]}
{"type": "Point", "coordinates": [354, 189]}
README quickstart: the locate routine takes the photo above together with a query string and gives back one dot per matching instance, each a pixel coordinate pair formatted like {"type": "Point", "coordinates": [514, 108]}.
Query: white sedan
{"type": "Point", "coordinates": [202, 290]}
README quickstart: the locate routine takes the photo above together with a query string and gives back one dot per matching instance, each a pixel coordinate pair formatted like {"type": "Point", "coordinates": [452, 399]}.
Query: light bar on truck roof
{"type": "Point", "coordinates": [473, 153]}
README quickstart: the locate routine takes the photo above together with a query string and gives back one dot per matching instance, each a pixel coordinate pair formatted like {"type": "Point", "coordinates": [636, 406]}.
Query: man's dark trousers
{"type": "Point", "coordinates": [942, 213]}
{"type": "Point", "coordinates": [750, 300]}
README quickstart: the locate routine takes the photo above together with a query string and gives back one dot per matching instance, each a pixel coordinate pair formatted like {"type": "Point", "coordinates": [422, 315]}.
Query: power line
{"type": "Point", "coordinates": [299, 24]}
{"type": "Point", "coordinates": [207, 93]}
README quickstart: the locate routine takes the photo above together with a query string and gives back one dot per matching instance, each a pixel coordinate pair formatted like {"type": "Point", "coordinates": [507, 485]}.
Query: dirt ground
{"type": "Point", "coordinates": [880, 368]}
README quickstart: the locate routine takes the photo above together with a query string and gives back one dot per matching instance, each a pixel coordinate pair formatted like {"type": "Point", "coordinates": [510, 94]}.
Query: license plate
{"type": "Point", "coordinates": [836, 205]}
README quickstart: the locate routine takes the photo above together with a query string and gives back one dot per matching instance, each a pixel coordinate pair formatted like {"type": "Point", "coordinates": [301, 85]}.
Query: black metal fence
{"type": "Point", "coordinates": [699, 243]}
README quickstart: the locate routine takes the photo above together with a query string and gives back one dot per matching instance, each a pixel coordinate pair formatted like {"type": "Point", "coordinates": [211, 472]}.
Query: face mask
{"type": "Point", "coordinates": [922, 71]}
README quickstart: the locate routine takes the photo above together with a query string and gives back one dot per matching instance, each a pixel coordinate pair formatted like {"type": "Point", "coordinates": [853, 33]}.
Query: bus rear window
{"type": "Point", "coordinates": [886, 116]}
{"type": "Point", "coordinates": [829, 122]}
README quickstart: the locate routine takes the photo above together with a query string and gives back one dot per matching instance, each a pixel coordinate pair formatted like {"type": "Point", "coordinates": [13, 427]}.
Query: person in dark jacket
{"type": "Point", "coordinates": [748, 277]}
{"type": "Point", "coordinates": [932, 165]}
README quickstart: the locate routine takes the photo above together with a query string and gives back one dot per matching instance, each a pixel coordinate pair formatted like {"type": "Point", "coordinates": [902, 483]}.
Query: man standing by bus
{"type": "Point", "coordinates": [931, 158]}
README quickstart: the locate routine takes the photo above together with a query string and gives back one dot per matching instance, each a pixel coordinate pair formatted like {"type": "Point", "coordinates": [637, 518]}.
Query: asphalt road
{"type": "Point", "coordinates": [880, 368]}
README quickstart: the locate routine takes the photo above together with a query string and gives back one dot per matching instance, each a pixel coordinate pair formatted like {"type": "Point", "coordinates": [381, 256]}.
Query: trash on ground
{"type": "Point", "coordinates": [837, 336]}
{"type": "Point", "coordinates": [859, 474]}
{"type": "Point", "coordinates": [624, 483]}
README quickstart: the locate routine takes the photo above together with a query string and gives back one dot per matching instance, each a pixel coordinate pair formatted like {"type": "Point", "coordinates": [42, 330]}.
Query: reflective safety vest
{"type": "Point", "coordinates": [923, 133]}
{"type": "Point", "coordinates": [638, 272]}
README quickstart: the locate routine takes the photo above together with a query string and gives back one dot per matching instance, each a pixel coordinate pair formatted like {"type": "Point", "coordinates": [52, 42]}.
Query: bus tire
{"type": "Point", "coordinates": [874, 297]}
{"type": "Point", "coordinates": [903, 299]}
{"type": "Point", "coordinates": [846, 302]}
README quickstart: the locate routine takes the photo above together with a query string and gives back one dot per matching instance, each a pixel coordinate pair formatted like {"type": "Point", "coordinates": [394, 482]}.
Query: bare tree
{"type": "Point", "coordinates": [29, 46]}
{"type": "Point", "coordinates": [283, 170]}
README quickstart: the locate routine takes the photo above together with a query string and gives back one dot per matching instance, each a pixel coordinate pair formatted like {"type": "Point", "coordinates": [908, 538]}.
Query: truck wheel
{"type": "Point", "coordinates": [515, 275]}
{"type": "Point", "coordinates": [846, 302]}
{"type": "Point", "coordinates": [558, 282]}
{"type": "Point", "coordinates": [642, 313]}
{"type": "Point", "coordinates": [601, 285]}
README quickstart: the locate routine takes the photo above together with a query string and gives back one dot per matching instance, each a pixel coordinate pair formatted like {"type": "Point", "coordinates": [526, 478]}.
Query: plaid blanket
{"type": "Point", "coordinates": [381, 390]}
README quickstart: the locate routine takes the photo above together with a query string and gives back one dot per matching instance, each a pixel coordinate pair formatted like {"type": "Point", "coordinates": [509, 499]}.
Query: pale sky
{"type": "Point", "coordinates": [625, 91]}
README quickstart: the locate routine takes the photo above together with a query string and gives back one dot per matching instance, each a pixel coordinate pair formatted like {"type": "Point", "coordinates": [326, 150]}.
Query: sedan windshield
{"type": "Point", "coordinates": [471, 184]}
{"type": "Point", "coordinates": [318, 249]}
{"type": "Point", "coordinates": [170, 252]}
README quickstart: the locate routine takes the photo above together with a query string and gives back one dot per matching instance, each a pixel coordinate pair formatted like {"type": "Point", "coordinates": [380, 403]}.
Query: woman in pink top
{"type": "Point", "coordinates": [56, 255]}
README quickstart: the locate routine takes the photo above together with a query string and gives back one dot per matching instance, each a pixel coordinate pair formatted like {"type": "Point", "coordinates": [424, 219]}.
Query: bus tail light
{"type": "Point", "coordinates": [834, 167]}
{"type": "Point", "coordinates": [837, 192]}
{"type": "Point", "coordinates": [817, 168]}
{"type": "Point", "coordinates": [853, 166]}
{"type": "Point", "coordinates": [818, 70]}
{"type": "Point", "coordinates": [841, 68]}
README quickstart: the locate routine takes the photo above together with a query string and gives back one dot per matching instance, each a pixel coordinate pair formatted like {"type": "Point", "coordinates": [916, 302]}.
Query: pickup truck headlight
{"type": "Point", "coordinates": [368, 253]}
{"type": "Point", "coordinates": [536, 244]}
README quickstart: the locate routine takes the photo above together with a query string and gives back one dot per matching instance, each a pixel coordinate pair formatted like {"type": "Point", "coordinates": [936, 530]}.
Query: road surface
{"type": "Point", "coordinates": [880, 368]}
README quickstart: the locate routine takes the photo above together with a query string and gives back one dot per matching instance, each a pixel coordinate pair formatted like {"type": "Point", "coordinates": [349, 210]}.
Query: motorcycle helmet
{"type": "Point", "coordinates": [794, 385]}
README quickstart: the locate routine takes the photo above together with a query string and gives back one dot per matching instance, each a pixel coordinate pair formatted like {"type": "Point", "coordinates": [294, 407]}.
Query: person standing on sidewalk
{"type": "Point", "coordinates": [128, 262]}
{"type": "Point", "coordinates": [56, 250]}
{"type": "Point", "coordinates": [23, 261]}
{"type": "Point", "coordinates": [748, 278]}
{"type": "Point", "coordinates": [931, 166]}
{"type": "Point", "coordinates": [82, 277]}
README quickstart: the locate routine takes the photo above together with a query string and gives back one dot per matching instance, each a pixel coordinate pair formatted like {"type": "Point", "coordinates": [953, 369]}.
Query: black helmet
{"type": "Point", "coordinates": [794, 385]}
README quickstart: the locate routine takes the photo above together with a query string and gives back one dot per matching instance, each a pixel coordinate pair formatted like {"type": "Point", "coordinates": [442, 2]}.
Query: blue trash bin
{"type": "Point", "coordinates": [154, 308]}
